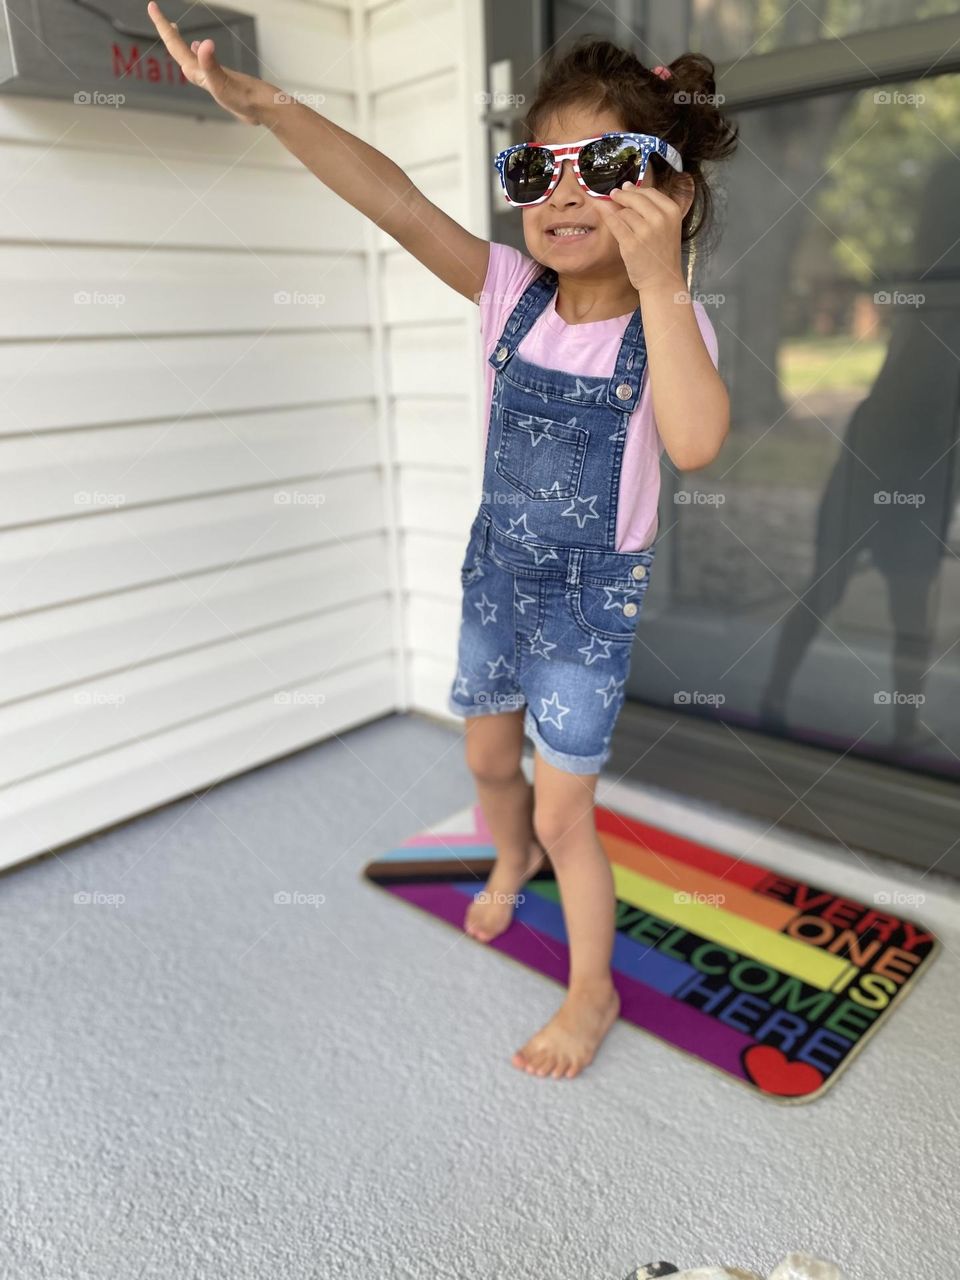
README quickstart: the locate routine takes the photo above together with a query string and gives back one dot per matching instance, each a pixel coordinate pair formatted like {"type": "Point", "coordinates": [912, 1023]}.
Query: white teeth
{"type": "Point", "coordinates": [570, 231]}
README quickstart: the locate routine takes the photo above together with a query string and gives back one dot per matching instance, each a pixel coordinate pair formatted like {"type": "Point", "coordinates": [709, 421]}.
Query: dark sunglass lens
{"type": "Point", "coordinates": [610, 162]}
{"type": "Point", "coordinates": [527, 173]}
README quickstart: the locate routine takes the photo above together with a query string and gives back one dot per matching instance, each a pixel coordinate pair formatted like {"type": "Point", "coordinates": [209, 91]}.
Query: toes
{"type": "Point", "coordinates": [525, 1055]}
{"type": "Point", "coordinates": [561, 1068]}
{"type": "Point", "coordinates": [473, 925]}
{"type": "Point", "coordinates": [578, 1065]}
{"type": "Point", "coordinates": [543, 1062]}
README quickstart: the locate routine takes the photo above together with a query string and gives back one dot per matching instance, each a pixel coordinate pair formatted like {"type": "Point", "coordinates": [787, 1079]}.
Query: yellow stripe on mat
{"type": "Point", "coordinates": [797, 959]}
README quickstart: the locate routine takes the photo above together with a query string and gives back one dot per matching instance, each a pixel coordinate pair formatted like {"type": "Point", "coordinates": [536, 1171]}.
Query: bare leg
{"type": "Point", "coordinates": [494, 748]}
{"type": "Point", "coordinates": [565, 822]}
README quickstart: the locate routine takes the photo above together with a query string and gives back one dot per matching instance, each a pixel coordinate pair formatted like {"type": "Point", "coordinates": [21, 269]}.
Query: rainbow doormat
{"type": "Point", "coordinates": [773, 981]}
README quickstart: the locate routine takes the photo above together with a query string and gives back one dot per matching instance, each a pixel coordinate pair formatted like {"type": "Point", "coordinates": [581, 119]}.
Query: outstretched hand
{"type": "Point", "coordinates": [236, 92]}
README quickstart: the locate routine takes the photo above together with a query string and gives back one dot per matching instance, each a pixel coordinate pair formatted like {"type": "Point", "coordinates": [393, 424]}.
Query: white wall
{"type": "Point", "coordinates": [150, 646]}
{"type": "Point", "coordinates": [423, 69]}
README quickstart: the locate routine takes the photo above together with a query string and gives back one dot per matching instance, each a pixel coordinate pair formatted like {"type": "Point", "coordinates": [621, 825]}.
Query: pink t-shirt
{"type": "Point", "coordinates": [589, 348]}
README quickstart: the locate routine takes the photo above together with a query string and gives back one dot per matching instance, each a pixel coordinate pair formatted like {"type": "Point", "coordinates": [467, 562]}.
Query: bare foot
{"type": "Point", "coordinates": [491, 911]}
{"type": "Point", "coordinates": [571, 1038]}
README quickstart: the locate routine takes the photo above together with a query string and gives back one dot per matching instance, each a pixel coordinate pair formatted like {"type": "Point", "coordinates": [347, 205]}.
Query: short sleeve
{"type": "Point", "coordinates": [508, 273]}
{"type": "Point", "coordinates": [708, 332]}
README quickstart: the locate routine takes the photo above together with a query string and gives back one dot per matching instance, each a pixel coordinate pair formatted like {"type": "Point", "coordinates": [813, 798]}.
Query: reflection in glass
{"type": "Point", "coordinates": [728, 30]}
{"type": "Point", "coordinates": [816, 564]}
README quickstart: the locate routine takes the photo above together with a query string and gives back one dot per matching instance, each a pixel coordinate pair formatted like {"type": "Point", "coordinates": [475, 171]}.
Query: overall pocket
{"type": "Point", "coordinates": [608, 609]}
{"type": "Point", "coordinates": [540, 457]}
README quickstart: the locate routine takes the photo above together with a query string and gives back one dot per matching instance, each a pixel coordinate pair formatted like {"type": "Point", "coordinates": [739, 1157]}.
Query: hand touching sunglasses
{"type": "Point", "coordinates": [529, 171]}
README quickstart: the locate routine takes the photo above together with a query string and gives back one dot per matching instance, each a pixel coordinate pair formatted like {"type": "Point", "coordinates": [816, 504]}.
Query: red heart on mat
{"type": "Point", "coordinates": [771, 1070]}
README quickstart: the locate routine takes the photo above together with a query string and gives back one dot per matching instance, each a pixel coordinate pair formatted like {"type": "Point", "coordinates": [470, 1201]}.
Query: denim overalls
{"type": "Point", "coordinates": [549, 607]}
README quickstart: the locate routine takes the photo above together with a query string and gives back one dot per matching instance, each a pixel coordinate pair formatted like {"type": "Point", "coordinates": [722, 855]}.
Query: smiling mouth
{"type": "Point", "coordinates": [569, 233]}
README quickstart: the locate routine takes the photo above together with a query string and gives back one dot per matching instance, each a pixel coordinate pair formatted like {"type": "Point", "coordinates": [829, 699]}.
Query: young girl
{"type": "Point", "coordinates": [597, 359]}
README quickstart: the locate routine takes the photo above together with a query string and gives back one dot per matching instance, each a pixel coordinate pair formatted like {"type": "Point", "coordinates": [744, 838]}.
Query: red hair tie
{"type": "Point", "coordinates": [663, 72]}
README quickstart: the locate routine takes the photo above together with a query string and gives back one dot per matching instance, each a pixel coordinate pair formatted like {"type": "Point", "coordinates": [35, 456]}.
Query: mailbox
{"type": "Point", "coordinates": [107, 52]}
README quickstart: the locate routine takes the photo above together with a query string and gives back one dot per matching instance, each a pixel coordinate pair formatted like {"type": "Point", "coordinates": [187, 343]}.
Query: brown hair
{"type": "Point", "coordinates": [682, 110]}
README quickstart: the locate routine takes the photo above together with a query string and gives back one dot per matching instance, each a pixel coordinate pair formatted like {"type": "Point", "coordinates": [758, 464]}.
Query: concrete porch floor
{"type": "Point", "coordinates": [201, 1083]}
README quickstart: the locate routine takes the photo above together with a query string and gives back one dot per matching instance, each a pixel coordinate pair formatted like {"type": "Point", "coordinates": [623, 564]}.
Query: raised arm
{"type": "Point", "coordinates": [350, 167]}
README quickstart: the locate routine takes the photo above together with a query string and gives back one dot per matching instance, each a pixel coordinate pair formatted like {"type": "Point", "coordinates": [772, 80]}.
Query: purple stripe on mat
{"type": "Point", "coordinates": [677, 1023]}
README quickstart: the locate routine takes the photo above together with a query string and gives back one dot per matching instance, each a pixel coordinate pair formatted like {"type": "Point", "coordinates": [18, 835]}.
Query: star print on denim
{"type": "Point", "coordinates": [553, 703]}
{"type": "Point", "coordinates": [521, 600]}
{"type": "Point", "coordinates": [542, 554]}
{"type": "Point", "coordinates": [461, 685]}
{"type": "Point", "coordinates": [591, 649]}
{"type": "Point", "coordinates": [516, 524]}
{"type": "Point", "coordinates": [583, 392]}
{"type": "Point", "coordinates": [483, 604]}
{"type": "Point", "coordinates": [502, 664]}
{"type": "Point", "coordinates": [540, 432]}
{"type": "Point", "coordinates": [539, 645]}
{"type": "Point", "coordinates": [615, 596]}
{"type": "Point", "coordinates": [610, 690]}
{"type": "Point", "coordinates": [582, 518]}
{"type": "Point", "coordinates": [496, 397]}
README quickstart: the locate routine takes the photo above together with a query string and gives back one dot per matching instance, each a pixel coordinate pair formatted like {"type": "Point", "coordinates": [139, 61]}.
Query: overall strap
{"type": "Point", "coordinates": [531, 303]}
{"type": "Point", "coordinates": [624, 390]}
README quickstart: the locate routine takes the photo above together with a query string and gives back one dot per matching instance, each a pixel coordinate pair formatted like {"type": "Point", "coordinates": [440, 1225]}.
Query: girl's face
{"type": "Point", "coordinates": [568, 204]}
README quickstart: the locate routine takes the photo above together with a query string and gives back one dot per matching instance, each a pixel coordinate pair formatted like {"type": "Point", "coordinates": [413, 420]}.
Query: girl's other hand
{"type": "Point", "coordinates": [242, 95]}
{"type": "Point", "coordinates": [646, 224]}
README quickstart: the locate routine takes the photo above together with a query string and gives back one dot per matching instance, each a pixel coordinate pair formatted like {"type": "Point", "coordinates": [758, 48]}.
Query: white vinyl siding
{"type": "Point", "coordinates": [197, 529]}
{"type": "Point", "coordinates": [424, 72]}
{"type": "Point", "coordinates": [231, 524]}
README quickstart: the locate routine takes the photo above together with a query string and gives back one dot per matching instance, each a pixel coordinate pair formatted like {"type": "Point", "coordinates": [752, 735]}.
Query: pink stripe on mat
{"type": "Point", "coordinates": [477, 833]}
{"type": "Point", "coordinates": [679, 1024]}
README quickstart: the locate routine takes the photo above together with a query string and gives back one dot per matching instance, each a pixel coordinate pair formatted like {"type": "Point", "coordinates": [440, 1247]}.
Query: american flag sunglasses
{"type": "Point", "coordinates": [529, 171]}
